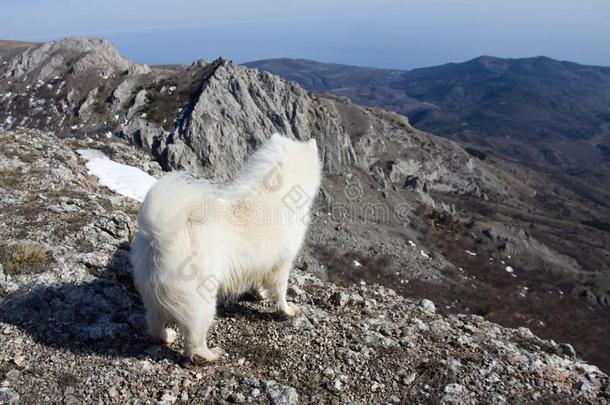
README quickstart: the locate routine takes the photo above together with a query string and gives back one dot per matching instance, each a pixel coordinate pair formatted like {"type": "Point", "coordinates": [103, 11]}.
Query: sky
{"type": "Point", "coordinates": [398, 34]}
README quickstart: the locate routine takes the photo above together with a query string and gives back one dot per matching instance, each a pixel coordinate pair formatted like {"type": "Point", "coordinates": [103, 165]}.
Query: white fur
{"type": "Point", "coordinates": [197, 242]}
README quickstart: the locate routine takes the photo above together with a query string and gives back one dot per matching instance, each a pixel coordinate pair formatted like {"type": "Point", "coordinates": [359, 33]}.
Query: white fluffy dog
{"type": "Point", "coordinates": [198, 242]}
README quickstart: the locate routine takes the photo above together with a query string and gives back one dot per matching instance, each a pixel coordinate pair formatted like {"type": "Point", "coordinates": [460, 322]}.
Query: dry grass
{"type": "Point", "coordinates": [23, 257]}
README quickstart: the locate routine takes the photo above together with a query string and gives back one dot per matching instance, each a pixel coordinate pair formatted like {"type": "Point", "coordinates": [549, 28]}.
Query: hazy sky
{"type": "Point", "coordinates": [382, 33]}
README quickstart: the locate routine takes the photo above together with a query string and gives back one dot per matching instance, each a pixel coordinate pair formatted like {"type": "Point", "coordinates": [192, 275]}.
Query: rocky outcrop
{"type": "Point", "coordinates": [208, 117]}
{"type": "Point", "coordinates": [72, 330]}
{"type": "Point", "coordinates": [73, 55]}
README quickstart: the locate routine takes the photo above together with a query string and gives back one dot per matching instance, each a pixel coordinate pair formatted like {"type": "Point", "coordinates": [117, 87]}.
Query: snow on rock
{"type": "Point", "coordinates": [509, 269]}
{"type": "Point", "coordinates": [123, 179]}
{"type": "Point", "coordinates": [357, 263]}
{"type": "Point", "coordinates": [471, 253]}
{"type": "Point", "coordinates": [424, 254]}
{"type": "Point", "coordinates": [412, 243]}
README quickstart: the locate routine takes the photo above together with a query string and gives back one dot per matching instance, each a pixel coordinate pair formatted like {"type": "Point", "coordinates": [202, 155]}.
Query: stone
{"type": "Point", "coordinates": [279, 394]}
{"type": "Point", "coordinates": [9, 396]}
{"type": "Point", "coordinates": [427, 305]}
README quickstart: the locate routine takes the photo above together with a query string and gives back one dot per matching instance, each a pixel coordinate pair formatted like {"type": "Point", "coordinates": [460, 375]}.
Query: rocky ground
{"type": "Point", "coordinates": [71, 323]}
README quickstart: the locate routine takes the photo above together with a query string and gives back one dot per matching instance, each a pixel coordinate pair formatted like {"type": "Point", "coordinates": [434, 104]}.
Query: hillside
{"type": "Point", "coordinates": [536, 111]}
{"type": "Point", "coordinates": [72, 324]}
{"type": "Point", "coordinates": [420, 214]}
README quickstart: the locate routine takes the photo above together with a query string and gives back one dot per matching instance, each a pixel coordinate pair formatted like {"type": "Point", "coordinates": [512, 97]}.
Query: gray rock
{"type": "Point", "coordinates": [9, 396]}
{"type": "Point", "coordinates": [427, 305]}
{"type": "Point", "coordinates": [568, 350]}
{"type": "Point", "coordinates": [279, 394]}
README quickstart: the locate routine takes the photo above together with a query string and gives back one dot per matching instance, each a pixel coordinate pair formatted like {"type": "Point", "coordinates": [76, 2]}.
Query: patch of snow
{"type": "Point", "coordinates": [470, 253]}
{"type": "Point", "coordinates": [412, 243]}
{"type": "Point", "coordinates": [143, 115]}
{"type": "Point", "coordinates": [357, 263]}
{"type": "Point", "coordinates": [123, 179]}
{"type": "Point", "coordinates": [7, 95]}
{"type": "Point", "coordinates": [74, 127]}
{"type": "Point", "coordinates": [49, 86]}
{"type": "Point", "coordinates": [108, 134]}
{"type": "Point", "coordinates": [509, 269]}
{"type": "Point", "coordinates": [424, 254]}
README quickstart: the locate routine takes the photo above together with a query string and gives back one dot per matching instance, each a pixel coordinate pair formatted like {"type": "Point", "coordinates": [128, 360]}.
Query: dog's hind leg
{"type": "Point", "coordinates": [196, 328]}
{"type": "Point", "coordinates": [156, 327]}
{"type": "Point", "coordinates": [278, 285]}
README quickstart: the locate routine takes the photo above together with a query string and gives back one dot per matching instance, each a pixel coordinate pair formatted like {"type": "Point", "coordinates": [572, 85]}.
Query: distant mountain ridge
{"type": "Point", "coordinates": [533, 110]}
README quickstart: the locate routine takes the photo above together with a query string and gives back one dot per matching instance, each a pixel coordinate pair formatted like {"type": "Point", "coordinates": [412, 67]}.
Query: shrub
{"type": "Point", "coordinates": [23, 257]}
{"type": "Point", "coordinates": [479, 154]}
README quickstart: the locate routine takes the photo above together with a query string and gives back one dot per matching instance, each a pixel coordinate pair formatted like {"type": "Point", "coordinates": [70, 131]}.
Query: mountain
{"type": "Point", "coordinates": [536, 111]}
{"type": "Point", "coordinates": [399, 207]}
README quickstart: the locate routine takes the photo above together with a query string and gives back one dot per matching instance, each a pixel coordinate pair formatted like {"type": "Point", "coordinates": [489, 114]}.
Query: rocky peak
{"type": "Point", "coordinates": [70, 55]}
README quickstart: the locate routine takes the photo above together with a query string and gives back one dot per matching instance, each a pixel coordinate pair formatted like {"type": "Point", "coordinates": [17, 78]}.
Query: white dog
{"type": "Point", "coordinates": [197, 242]}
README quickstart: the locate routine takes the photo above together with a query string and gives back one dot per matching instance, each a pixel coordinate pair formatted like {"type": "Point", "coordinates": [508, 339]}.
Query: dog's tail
{"type": "Point", "coordinates": [167, 207]}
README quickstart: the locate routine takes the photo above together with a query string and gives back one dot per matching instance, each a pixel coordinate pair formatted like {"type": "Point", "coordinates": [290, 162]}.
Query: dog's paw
{"type": "Point", "coordinates": [169, 336]}
{"type": "Point", "coordinates": [292, 311]}
{"type": "Point", "coordinates": [218, 352]}
{"type": "Point", "coordinates": [207, 355]}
